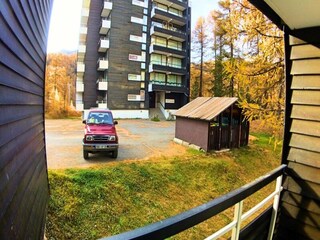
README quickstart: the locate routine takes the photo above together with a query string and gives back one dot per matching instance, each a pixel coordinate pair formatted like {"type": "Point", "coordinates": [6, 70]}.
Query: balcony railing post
{"type": "Point", "coordinates": [237, 219]}
{"type": "Point", "coordinates": [276, 201]}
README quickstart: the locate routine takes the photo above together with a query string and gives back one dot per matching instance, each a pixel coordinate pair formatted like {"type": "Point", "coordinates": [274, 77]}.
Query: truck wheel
{"type": "Point", "coordinates": [115, 154]}
{"type": "Point", "coordinates": [85, 154]}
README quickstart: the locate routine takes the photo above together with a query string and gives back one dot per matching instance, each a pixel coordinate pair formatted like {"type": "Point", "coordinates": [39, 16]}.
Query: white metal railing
{"type": "Point", "coordinates": [179, 14]}
{"type": "Point", "coordinates": [239, 217]}
{"type": "Point", "coordinates": [166, 25]}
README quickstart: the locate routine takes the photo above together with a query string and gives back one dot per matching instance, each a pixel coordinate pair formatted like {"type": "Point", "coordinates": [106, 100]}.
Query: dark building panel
{"type": "Point", "coordinates": [120, 65]}
{"type": "Point", "coordinates": [23, 170]}
{"type": "Point", "coordinates": [92, 55]}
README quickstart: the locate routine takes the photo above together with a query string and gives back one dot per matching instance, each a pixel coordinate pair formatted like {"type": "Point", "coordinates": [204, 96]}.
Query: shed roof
{"type": "Point", "coordinates": [205, 108]}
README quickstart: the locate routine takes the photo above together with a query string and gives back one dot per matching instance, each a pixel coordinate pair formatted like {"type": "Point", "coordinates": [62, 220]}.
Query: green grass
{"type": "Point", "coordinates": [99, 202]}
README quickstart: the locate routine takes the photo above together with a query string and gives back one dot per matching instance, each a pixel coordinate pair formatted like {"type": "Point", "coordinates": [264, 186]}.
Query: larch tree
{"type": "Point", "coordinates": [199, 48]}
{"type": "Point", "coordinates": [225, 47]}
{"type": "Point", "coordinates": [258, 72]}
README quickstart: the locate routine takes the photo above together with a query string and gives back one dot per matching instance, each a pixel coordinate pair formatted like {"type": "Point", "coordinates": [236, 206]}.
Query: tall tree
{"type": "Point", "coordinates": [207, 79]}
{"type": "Point", "coordinates": [259, 70]}
{"type": "Point", "coordinates": [60, 83]}
{"type": "Point", "coordinates": [200, 44]}
{"type": "Point", "coordinates": [225, 48]}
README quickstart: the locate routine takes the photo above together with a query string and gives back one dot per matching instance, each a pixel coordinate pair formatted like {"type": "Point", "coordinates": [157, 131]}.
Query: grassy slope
{"type": "Point", "coordinates": [93, 203]}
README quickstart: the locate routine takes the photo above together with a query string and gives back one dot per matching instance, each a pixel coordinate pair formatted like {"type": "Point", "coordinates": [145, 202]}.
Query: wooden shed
{"type": "Point", "coordinates": [212, 123]}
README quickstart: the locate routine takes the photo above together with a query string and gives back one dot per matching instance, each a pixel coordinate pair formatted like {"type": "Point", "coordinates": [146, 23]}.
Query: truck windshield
{"type": "Point", "coordinates": [99, 118]}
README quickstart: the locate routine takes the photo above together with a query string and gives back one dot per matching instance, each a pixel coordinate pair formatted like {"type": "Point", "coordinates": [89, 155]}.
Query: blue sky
{"type": "Point", "coordinates": [65, 22]}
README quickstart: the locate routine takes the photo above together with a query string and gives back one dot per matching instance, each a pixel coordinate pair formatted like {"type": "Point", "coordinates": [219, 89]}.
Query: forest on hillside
{"type": "Point", "coordinates": [60, 86]}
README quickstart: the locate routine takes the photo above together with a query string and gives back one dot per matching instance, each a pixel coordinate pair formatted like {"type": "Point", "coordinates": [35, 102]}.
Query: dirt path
{"type": "Point", "coordinates": [139, 139]}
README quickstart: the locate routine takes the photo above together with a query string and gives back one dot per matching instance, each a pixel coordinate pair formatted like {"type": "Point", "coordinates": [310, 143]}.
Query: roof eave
{"type": "Point", "coordinates": [308, 34]}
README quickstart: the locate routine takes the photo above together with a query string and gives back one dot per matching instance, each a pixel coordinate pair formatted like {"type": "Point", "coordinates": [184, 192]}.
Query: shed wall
{"type": "Point", "coordinates": [23, 170]}
{"type": "Point", "coordinates": [300, 206]}
{"type": "Point", "coordinates": [192, 131]}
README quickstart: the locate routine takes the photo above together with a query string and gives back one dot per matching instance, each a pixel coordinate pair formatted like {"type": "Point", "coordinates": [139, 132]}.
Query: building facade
{"type": "Point", "coordinates": [133, 56]}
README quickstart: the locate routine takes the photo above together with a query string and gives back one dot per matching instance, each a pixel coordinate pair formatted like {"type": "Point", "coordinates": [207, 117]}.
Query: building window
{"type": "Point", "coordinates": [172, 101]}
{"type": "Point", "coordinates": [144, 28]}
{"type": "Point", "coordinates": [174, 45]}
{"type": "Point", "coordinates": [158, 59]}
{"type": "Point", "coordinates": [133, 97]}
{"type": "Point", "coordinates": [174, 80]}
{"type": "Point", "coordinates": [143, 75]}
{"type": "Point", "coordinates": [137, 20]}
{"type": "Point", "coordinates": [175, 11]}
{"type": "Point", "coordinates": [158, 78]}
{"type": "Point", "coordinates": [140, 3]}
{"type": "Point", "coordinates": [159, 41]}
{"type": "Point", "coordinates": [174, 62]}
{"type": "Point", "coordinates": [161, 6]}
{"type": "Point", "coordinates": [135, 38]}
{"type": "Point", "coordinates": [142, 95]}
{"type": "Point", "coordinates": [134, 77]}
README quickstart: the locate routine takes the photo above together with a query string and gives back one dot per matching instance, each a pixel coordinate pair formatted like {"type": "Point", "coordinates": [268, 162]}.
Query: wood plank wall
{"type": "Point", "coordinates": [23, 169]}
{"type": "Point", "coordinates": [300, 205]}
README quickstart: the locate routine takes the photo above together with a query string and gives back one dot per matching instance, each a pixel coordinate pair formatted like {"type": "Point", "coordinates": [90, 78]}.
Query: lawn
{"type": "Point", "coordinates": [98, 202]}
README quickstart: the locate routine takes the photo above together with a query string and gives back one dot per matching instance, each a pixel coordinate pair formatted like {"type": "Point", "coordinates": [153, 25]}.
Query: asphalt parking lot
{"type": "Point", "coordinates": [138, 139]}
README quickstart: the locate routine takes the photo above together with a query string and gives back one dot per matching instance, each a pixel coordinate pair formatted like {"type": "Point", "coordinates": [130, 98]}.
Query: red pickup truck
{"type": "Point", "coordinates": [100, 133]}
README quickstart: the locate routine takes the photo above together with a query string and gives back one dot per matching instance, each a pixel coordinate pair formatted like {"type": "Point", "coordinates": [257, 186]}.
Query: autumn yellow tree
{"type": "Point", "coordinates": [199, 48]}
{"type": "Point", "coordinates": [249, 61]}
{"type": "Point", "coordinates": [60, 84]}
{"type": "Point", "coordinates": [207, 77]}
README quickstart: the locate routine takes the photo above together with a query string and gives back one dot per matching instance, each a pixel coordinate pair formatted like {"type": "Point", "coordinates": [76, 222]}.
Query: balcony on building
{"type": "Point", "coordinates": [167, 30]}
{"type": "Point", "coordinates": [168, 16]}
{"type": "Point", "coordinates": [80, 68]}
{"type": "Point", "coordinates": [167, 50]}
{"type": "Point", "coordinates": [107, 7]}
{"type": "Point", "coordinates": [103, 44]}
{"type": "Point", "coordinates": [102, 84]}
{"type": "Point", "coordinates": [79, 85]}
{"type": "Point", "coordinates": [155, 85]}
{"type": "Point", "coordinates": [178, 4]}
{"type": "Point", "coordinates": [105, 26]}
{"type": "Point", "coordinates": [79, 105]}
{"type": "Point", "coordinates": [83, 33]}
{"type": "Point", "coordinates": [168, 68]}
{"type": "Point", "coordinates": [84, 16]}
{"type": "Point", "coordinates": [103, 64]}
{"type": "Point", "coordinates": [81, 52]}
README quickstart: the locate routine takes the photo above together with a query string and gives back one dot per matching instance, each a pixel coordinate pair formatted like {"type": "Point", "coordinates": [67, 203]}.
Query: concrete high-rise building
{"type": "Point", "coordinates": [134, 56]}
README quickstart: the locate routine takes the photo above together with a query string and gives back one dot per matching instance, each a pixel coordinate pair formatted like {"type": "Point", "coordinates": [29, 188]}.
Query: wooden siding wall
{"type": "Point", "coordinates": [23, 170]}
{"type": "Point", "coordinates": [192, 131]}
{"type": "Point", "coordinates": [300, 206]}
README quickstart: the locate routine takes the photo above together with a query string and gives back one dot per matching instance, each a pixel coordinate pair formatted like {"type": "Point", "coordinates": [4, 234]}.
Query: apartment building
{"type": "Point", "coordinates": [134, 56]}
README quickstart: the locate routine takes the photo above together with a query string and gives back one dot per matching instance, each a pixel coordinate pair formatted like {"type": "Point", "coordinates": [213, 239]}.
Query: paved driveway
{"type": "Point", "coordinates": [139, 139]}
